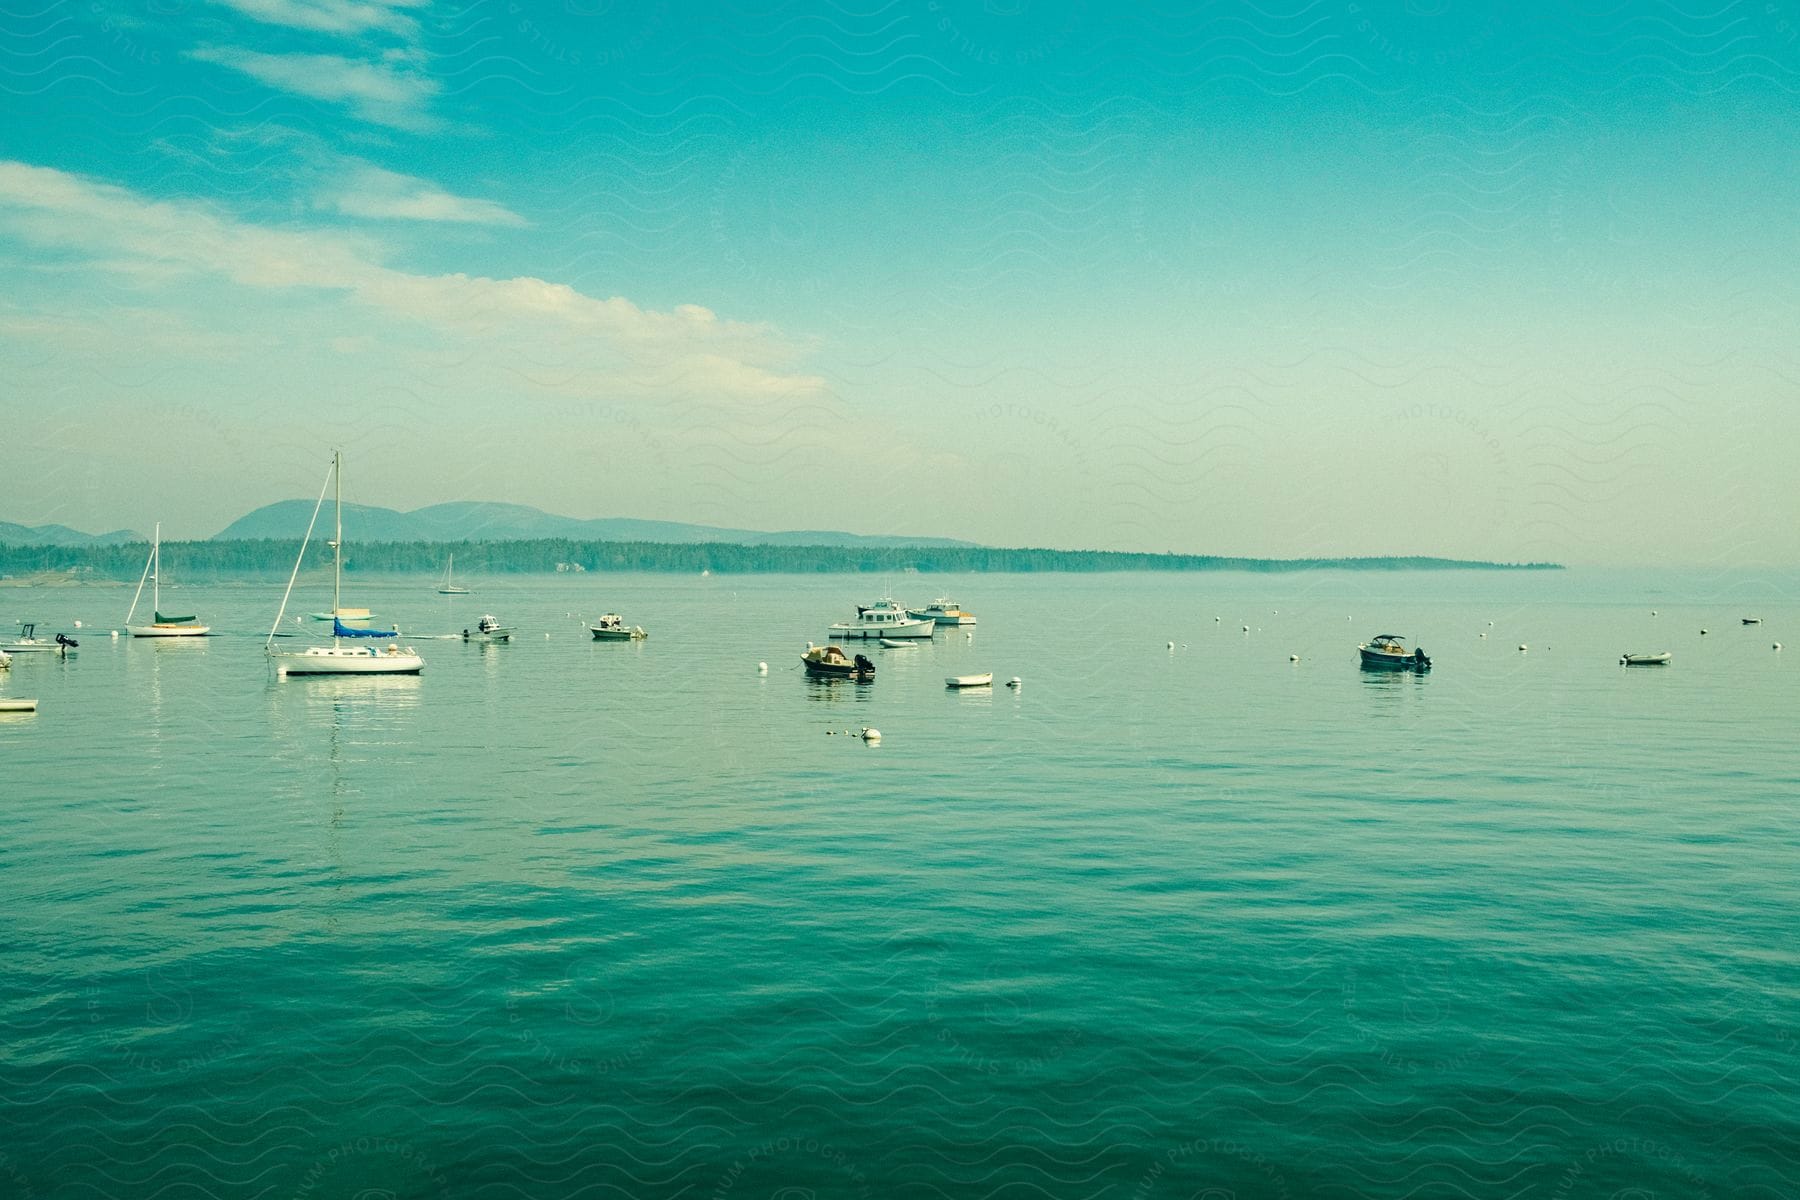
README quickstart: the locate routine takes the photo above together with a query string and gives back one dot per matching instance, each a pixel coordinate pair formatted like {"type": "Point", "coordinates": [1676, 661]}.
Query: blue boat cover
{"type": "Point", "coordinates": [339, 629]}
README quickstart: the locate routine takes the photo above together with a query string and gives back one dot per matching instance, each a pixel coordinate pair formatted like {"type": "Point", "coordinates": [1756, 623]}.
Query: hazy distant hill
{"type": "Point", "coordinates": [62, 535]}
{"type": "Point", "coordinates": [475, 521]}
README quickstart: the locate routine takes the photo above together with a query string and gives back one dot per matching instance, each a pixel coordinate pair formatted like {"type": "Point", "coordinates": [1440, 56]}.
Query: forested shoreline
{"type": "Point", "coordinates": [213, 559]}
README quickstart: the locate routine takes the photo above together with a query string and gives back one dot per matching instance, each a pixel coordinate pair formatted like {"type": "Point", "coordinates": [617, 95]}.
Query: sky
{"type": "Point", "coordinates": [1285, 279]}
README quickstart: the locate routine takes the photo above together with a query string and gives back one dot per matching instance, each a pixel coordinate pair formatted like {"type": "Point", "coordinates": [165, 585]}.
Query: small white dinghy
{"type": "Point", "coordinates": [985, 679]}
{"type": "Point", "coordinates": [892, 644]}
{"type": "Point", "coordinates": [1645, 660]}
{"type": "Point", "coordinates": [17, 705]}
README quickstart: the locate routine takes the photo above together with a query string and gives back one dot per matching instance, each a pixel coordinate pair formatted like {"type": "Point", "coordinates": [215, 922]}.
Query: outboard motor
{"type": "Point", "coordinates": [864, 665]}
{"type": "Point", "coordinates": [67, 642]}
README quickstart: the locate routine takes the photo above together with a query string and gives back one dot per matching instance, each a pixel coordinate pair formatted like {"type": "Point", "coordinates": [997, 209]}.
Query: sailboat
{"type": "Point", "coordinates": [449, 587]}
{"type": "Point", "coordinates": [162, 626]}
{"type": "Point", "coordinates": [357, 658]}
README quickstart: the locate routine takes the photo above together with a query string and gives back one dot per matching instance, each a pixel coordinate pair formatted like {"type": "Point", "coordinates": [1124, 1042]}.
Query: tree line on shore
{"type": "Point", "coordinates": [213, 559]}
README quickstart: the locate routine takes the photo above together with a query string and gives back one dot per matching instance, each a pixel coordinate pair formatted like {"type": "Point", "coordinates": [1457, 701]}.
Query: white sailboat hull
{"type": "Point", "coordinates": [348, 660]}
{"type": "Point", "coordinates": [168, 631]}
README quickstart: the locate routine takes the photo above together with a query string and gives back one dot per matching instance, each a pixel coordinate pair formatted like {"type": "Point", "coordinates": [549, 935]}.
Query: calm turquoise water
{"type": "Point", "coordinates": [560, 918]}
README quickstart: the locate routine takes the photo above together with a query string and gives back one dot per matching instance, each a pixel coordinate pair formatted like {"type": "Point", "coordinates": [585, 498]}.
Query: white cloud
{"type": "Point", "coordinates": [389, 92]}
{"type": "Point", "coordinates": [369, 191]}
{"type": "Point", "coordinates": [156, 243]}
{"type": "Point", "coordinates": [347, 17]}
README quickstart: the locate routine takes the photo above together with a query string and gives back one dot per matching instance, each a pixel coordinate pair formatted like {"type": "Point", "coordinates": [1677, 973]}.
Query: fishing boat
{"type": "Point", "coordinates": [882, 619]}
{"type": "Point", "coordinates": [28, 642]}
{"type": "Point", "coordinates": [449, 587]}
{"type": "Point", "coordinates": [488, 629]}
{"type": "Point", "coordinates": [942, 612]}
{"type": "Point", "coordinates": [611, 627]}
{"type": "Point", "coordinates": [830, 662]}
{"type": "Point", "coordinates": [1387, 651]}
{"type": "Point", "coordinates": [161, 625]}
{"type": "Point", "coordinates": [984, 679]}
{"type": "Point", "coordinates": [356, 658]}
{"type": "Point", "coordinates": [346, 616]}
{"type": "Point", "coordinates": [1646, 660]}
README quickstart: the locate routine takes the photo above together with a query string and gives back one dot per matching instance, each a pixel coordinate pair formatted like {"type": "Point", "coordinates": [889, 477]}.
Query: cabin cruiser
{"type": "Point", "coordinates": [1388, 651]}
{"type": "Point", "coordinates": [882, 619]}
{"type": "Point", "coordinates": [942, 612]}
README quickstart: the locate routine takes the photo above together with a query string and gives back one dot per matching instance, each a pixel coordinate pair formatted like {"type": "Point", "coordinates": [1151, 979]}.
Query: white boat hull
{"type": "Point", "coordinates": [168, 631]}
{"type": "Point", "coordinates": [348, 660]}
{"type": "Point", "coordinates": [889, 629]}
{"type": "Point", "coordinates": [985, 679]}
{"type": "Point", "coordinates": [17, 705]}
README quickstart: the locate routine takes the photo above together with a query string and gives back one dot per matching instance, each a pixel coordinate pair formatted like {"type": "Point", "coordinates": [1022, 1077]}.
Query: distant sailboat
{"type": "Point", "coordinates": [337, 658]}
{"type": "Point", "coordinates": [162, 626]}
{"type": "Point", "coordinates": [449, 587]}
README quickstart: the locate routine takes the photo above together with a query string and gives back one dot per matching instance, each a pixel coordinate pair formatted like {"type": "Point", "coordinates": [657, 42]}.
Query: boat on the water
{"type": "Point", "coordinates": [984, 679]}
{"type": "Point", "coordinates": [882, 619]}
{"type": "Point", "coordinates": [942, 612]}
{"type": "Point", "coordinates": [1645, 660]}
{"type": "Point", "coordinates": [488, 629]}
{"type": "Point", "coordinates": [17, 704]}
{"type": "Point", "coordinates": [830, 662]}
{"type": "Point", "coordinates": [161, 626]}
{"type": "Point", "coordinates": [28, 642]}
{"type": "Point", "coordinates": [346, 616]}
{"type": "Point", "coordinates": [611, 627]}
{"type": "Point", "coordinates": [1752, 620]}
{"type": "Point", "coordinates": [449, 587]}
{"type": "Point", "coordinates": [899, 644]}
{"type": "Point", "coordinates": [356, 658]}
{"type": "Point", "coordinates": [5, 660]}
{"type": "Point", "coordinates": [1387, 651]}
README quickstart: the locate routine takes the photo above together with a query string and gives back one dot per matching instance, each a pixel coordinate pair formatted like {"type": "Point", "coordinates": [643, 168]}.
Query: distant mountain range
{"type": "Point", "coordinates": [472, 521]}
{"type": "Point", "coordinates": [62, 535]}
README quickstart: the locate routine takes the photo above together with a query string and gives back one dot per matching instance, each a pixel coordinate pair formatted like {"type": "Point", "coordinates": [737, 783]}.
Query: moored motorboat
{"type": "Point", "coordinates": [830, 662]}
{"type": "Point", "coordinates": [1752, 620]}
{"type": "Point", "coordinates": [611, 627]}
{"type": "Point", "coordinates": [882, 619]}
{"type": "Point", "coordinates": [14, 704]}
{"type": "Point", "coordinates": [984, 679]}
{"type": "Point", "coordinates": [29, 643]}
{"type": "Point", "coordinates": [942, 612]}
{"type": "Point", "coordinates": [1660, 659]}
{"type": "Point", "coordinates": [1387, 651]}
{"type": "Point", "coordinates": [488, 629]}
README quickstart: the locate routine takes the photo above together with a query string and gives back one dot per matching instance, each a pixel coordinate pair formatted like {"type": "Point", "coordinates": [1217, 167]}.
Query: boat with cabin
{"type": "Point", "coordinates": [830, 662]}
{"type": "Point", "coordinates": [1387, 651]}
{"type": "Point", "coordinates": [488, 629]}
{"type": "Point", "coordinates": [161, 625]}
{"type": "Point", "coordinates": [611, 627]}
{"type": "Point", "coordinates": [882, 619]}
{"type": "Point", "coordinates": [356, 658]}
{"type": "Point", "coordinates": [943, 612]}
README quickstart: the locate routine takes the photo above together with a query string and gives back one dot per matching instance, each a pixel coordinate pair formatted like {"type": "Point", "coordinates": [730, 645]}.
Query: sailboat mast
{"type": "Point", "coordinates": [156, 574]}
{"type": "Point", "coordinates": [337, 545]}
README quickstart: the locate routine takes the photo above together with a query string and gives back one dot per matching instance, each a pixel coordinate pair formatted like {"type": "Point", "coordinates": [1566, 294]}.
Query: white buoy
{"type": "Point", "coordinates": [115, 633]}
{"type": "Point", "coordinates": [1653, 612]}
{"type": "Point", "coordinates": [78, 624]}
{"type": "Point", "coordinates": [1293, 658]}
{"type": "Point", "coordinates": [1215, 620]}
{"type": "Point", "coordinates": [871, 735]}
{"type": "Point", "coordinates": [1778, 645]}
{"type": "Point", "coordinates": [1484, 636]}
{"type": "Point", "coordinates": [1246, 629]}
{"type": "Point", "coordinates": [1522, 646]}
{"type": "Point", "coordinates": [1703, 633]}
{"type": "Point", "coordinates": [762, 668]}
{"type": "Point", "coordinates": [1015, 681]}
{"type": "Point", "coordinates": [1171, 645]}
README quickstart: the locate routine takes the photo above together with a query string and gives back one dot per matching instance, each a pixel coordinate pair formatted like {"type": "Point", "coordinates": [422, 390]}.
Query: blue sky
{"type": "Point", "coordinates": [1315, 279]}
